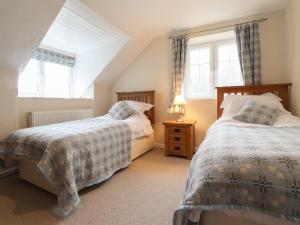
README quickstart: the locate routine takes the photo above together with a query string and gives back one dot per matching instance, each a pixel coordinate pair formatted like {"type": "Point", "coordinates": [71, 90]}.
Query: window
{"type": "Point", "coordinates": [209, 65]}
{"type": "Point", "coordinates": [53, 74]}
{"type": "Point", "coordinates": [29, 80]}
{"type": "Point", "coordinates": [42, 78]}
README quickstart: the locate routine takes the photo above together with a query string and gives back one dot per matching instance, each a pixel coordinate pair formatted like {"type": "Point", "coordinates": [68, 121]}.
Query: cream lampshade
{"type": "Point", "coordinates": [178, 106]}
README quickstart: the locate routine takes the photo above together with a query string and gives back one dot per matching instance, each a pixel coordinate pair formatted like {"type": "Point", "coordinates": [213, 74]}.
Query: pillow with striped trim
{"type": "Point", "coordinates": [121, 111]}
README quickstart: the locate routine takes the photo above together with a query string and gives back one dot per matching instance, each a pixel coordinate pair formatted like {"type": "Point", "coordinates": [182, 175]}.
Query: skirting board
{"type": "Point", "coordinates": [158, 145]}
{"type": "Point", "coordinates": [8, 172]}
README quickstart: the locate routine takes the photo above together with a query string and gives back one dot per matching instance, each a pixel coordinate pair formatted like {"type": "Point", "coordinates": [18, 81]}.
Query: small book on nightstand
{"type": "Point", "coordinates": [180, 138]}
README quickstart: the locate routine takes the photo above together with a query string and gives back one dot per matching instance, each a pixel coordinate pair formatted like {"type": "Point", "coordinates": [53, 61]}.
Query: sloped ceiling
{"type": "Point", "coordinates": [23, 25]}
{"type": "Point", "coordinates": [94, 41]}
{"type": "Point", "coordinates": [143, 20]}
{"type": "Point", "coordinates": [77, 29]}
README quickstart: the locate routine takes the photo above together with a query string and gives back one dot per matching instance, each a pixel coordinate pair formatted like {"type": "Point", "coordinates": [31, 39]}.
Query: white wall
{"type": "Point", "coordinates": [8, 109]}
{"type": "Point", "coordinates": [151, 70]}
{"type": "Point", "coordinates": [8, 94]}
{"type": "Point", "coordinates": [102, 100]}
{"type": "Point", "coordinates": [26, 105]}
{"type": "Point", "coordinates": [293, 41]}
{"type": "Point", "coordinates": [23, 26]}
{"type": "Point", "coordinates": [101, 104]}
{"type": "Point", "coordinates": [91, 63]}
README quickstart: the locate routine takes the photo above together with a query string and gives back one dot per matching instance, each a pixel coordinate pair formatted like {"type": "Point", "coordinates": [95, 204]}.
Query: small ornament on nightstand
{"type": "Point", "coordinates": [178, 107]}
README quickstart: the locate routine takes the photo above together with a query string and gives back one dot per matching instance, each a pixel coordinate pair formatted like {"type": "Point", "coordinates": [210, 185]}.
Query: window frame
{"type": "Point", "coordinates": [188, 78]}
{"type": "Point", "coordinates": [42, 85]}
{"type": "Point", "coordinates": [214, 54]}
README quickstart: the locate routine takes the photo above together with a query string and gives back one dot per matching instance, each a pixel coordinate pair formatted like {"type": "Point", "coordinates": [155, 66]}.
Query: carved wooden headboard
{"type": "Point", "coordinates": [281, 90]}
{"type": "Point", "coordinates": [140, 96]}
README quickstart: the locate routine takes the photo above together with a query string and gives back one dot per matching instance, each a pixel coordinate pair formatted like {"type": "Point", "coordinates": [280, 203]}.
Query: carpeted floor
{"type": "Point", "coordinates": [146, 193]}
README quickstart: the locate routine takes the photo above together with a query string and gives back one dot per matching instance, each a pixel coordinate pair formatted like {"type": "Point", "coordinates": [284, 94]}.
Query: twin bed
{"type": "Point", "coordinates": [66, 157]}
{"type": "Point", "coordinates": [245, 170]}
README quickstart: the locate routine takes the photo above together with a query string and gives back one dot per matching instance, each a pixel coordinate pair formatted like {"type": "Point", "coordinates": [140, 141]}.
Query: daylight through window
{"type": "Point", "coordinates": [42, 78]}
{"type": "Point", "coordinates": [209, 65]}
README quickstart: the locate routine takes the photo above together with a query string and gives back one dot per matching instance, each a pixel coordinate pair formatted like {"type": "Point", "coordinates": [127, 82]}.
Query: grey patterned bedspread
{"type": "Point", "coordinates": [244, 167]}
{"type": "Point", "coordinates": [74, 155]}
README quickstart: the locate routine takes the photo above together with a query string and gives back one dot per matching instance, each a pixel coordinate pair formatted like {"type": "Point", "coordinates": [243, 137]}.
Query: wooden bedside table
{"type": "Point", "coordinates": [180, 138]}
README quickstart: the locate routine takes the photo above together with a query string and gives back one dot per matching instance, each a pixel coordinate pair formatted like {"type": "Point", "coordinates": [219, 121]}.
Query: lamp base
{"type": "Point", "coordinates": [180, 120]}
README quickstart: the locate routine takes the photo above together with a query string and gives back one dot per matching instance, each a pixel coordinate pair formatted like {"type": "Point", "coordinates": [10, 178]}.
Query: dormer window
{"type": "Point", "coordinates": [48, 74]}
{"type": "Point", "coordinates": [76, 31]}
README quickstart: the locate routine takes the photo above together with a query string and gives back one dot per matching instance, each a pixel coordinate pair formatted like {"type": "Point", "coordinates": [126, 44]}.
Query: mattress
{"type": "Point", "coordinates": [28, 170]}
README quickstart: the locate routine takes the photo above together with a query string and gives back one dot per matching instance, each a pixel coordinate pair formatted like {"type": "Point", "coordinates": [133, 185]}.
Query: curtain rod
{"type": "Point", "coordinates": [217, 28]}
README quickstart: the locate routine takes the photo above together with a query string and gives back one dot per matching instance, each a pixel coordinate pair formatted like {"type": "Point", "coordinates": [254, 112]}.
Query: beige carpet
{"type": "Point", "coordinates": [146, 193]}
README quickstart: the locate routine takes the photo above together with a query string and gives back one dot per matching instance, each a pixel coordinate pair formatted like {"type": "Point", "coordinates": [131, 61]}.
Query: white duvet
{"type": "Point", "coordinates": [139, 124]}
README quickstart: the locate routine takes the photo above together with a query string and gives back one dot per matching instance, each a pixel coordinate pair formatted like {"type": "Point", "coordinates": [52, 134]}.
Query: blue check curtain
{"type": "Point", "coordinates": [54, 57]}
{"type": "Point", "coordinates": [179, 55]}
{"type": "Point", "coordinates": [248, 44]}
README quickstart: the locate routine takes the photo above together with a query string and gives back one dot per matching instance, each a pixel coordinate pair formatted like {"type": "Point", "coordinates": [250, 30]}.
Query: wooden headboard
{"type": "Point", "coordinates": [281, 90]}
{"type": "Point", "coordinates": [140, 96]}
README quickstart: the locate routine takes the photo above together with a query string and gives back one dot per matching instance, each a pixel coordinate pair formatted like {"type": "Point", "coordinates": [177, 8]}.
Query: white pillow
{"type": "Point", "coordinates": [271, 95]}
{"type": "Point", "coordinates": [139, 106]}
{"type": "Point", "coordinates": [232, 104]}
{"type": "Point", "coordinates": [140, 125]}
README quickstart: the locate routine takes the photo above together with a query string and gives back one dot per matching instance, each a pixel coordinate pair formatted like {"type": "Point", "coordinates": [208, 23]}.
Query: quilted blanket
{"type": "Point", "coordinates": [244, 167]}
{"type": "Point", "coordinates": [74, 155]}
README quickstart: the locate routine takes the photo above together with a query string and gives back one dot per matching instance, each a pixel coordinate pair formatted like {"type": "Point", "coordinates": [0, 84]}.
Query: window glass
{"type": "Point", "coordinates": [29, 80]}
{"type": "Point", "coordinates": [45, 79]}
{"type": "Point", "coordinates": [228, 71]}
{"type": "Point", "coordinates": [57, 80]}
{"type": "Point", "coordinates": [199, 72]}
{"type": "Point", "coordinates": [210, 65]}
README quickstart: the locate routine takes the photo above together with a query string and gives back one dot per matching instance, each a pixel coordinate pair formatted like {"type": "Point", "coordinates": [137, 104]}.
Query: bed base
{"type": "Point", "coordinates": [29, 172]}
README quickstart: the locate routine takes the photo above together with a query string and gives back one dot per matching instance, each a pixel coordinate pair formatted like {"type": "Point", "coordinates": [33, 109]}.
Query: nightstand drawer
{"type": "Point", "coordinates": [177, 138]}
{"type": "Point", "coordinates": [176, 130]}
{"type": "Point", "coordinates": [179, 149]}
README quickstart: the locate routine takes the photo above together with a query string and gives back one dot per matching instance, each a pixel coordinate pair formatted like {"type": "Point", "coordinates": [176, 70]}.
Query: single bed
{"type": "Point", "coordinates": [245, 173]}
{"type": "Point", "coordinates": [64, 158]}
{"type": "Point", "coordinates": [29, 172]}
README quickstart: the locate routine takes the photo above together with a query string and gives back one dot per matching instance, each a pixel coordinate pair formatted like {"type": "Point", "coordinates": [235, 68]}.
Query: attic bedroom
{"type": "Point", "coordinates": [132, 112]}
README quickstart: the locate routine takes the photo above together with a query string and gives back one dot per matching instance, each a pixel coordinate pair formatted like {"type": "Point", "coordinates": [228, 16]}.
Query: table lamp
{"type": "Point", "coordinates": [178, 106]}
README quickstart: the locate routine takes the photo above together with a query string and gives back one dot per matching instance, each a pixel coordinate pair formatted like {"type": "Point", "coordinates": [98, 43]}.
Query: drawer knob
{"type": "Point", "coordinates": [176, 130]}
{"type": "Point", "coordinates": [177, 148]}
{"type": "Point", "coordinates": [177, 138]}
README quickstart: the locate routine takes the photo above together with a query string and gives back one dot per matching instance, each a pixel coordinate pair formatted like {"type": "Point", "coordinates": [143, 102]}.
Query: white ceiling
{"type": "Point", "coordinates": [77, 29]}
{"type": "Point", "coordinates": [143, 20]}
{"type": "Point", "coordinates": [160, 16]}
